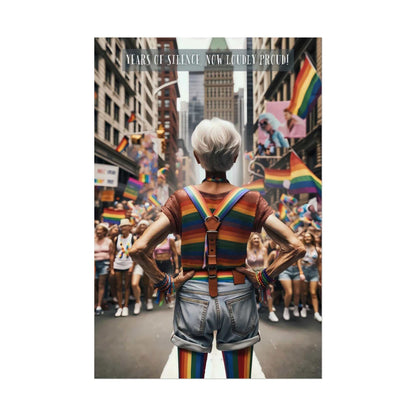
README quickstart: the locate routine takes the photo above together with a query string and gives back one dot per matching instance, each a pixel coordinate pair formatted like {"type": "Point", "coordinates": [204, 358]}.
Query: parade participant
{"type": "Point", "coordinates": [291, 121]}
{"type": "Point", "coordinates": [103, 248]}
{"type": "Point", "coordinates": [122, 266]}
{"type": "Point", "coordinates": [256, 259]}
{"type": "Point", "coordinates": [310, 274]}
{"type": "Point", "coordinates": [269, 124]}
{"type": "Point", "coordinates": [290, 281]}
{"type": "Point", "coordinates": [138, 275]}
{"type": "Point", "coordinates": [166, 258]}
{"type": "Point", "coordinates": [215, 291]}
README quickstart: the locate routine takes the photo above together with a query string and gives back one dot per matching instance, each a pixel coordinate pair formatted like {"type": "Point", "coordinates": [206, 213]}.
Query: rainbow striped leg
{"type": "Point", "coordinates": [191, 364]}
{"type": "Point", "coordinates": [238, 363]}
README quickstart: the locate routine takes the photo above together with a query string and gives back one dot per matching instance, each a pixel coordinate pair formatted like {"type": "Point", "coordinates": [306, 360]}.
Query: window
{"type": "Point", "coordinates": [167, 124]}
{"type": "Point", "coordinates": [166, 92]}
{"type": "Point", "coordinates": [159, 103]}
{"type": "Point", "coordinates": [118, 52]}
{"type": "Point", "coordinates": [96, 121]}
{"type": "Point", "coordinates": [117, 86]}
{"type": "Point", "coordinates": [167, 102]}
{"type": "Point", "coordinates": [116, 135]}
{"type": "Point", "coordinates": [166, 46]}
{"type": "Point", "coordinates": [140, 108]}
{"type": "Point", "coordinates": [107, 75]}
{"type": "Point", "coordinates": [140, 88]}
{"type": "Point", "coordinates": [96, 90]}
{"type": "Point", "coordinates": [107, 104]}
{"type": "Point", "coordinates": [126, 98]}
{"type": "Point", "coordinates": [96, 62]}
{"type": "Point", "coordinates": [126, 121]}
{"type": "Point", "coordinates": [116, 112]}
{"type": "Point", "coordinates": [107, 130]}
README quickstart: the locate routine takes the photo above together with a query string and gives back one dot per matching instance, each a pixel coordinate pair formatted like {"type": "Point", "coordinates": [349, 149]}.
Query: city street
{"type": "Point", "coordinates": [140, 347]}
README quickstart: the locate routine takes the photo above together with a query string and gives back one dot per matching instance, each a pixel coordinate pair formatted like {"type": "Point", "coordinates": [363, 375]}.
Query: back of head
{"type": "Point", "coordinates": [217, 144]}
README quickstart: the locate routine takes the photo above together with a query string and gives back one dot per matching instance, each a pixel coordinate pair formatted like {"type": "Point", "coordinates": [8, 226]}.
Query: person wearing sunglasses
{"type": "Point", "coordinates": [269, 124]}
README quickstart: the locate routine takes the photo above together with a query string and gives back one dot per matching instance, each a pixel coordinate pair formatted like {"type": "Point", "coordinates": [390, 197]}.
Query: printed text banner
{"type": "Point", "coordinates": [105, 175]}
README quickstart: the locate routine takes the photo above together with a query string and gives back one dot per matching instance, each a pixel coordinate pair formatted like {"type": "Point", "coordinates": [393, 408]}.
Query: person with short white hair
{"type": "Point", "coordinates": [215, 291]}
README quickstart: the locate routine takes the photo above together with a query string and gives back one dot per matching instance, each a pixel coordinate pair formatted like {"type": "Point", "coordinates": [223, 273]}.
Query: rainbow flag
{"type": "Point", "coordinates": [282, 213]}
{"type": "Point", "coordinates": [288, 200]}
{"type": "Point", "coordinates": [306, 91]}
{"type": "Point", "coordinates": [274, 178]}
{"type": "Point", "coordinates": [302, 179]}
{"type": "Point", "coordinates": [143, 178]}
{"type": "Point", "coordinates": [132, 189]}
{"type": "Point", "coordinates": [296, 224]}
{"type": "Point", "coordinates": [257, 185]}
{"type": "Point", "coordinates": [132, 117]}
{"type": "Point", "coordinates": [123, 144]}
{"type": "Point", "coordinates": [113, 216]}
{"type": "Point", "coordinates": [152, 198]}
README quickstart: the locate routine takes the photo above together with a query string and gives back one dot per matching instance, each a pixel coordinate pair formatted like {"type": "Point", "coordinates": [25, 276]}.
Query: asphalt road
{"type": "Point", "coordinates": [139, 346]}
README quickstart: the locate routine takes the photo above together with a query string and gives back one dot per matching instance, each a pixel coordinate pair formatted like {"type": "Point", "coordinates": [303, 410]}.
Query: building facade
{"type": "Point", "coordinates": [167, 111]}
{"type": "Point", "coordinates": [278, 86]}
{"type": "Point", "coordinates": [219, 85]}
{"type": "Point", "coordinates": [196, 100]}
{"type": "Point", "coordinates": [118, 94]}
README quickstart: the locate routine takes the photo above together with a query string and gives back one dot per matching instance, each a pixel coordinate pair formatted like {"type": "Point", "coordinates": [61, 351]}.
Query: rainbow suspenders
{"type": "Point", "coordinates": [212, 222]}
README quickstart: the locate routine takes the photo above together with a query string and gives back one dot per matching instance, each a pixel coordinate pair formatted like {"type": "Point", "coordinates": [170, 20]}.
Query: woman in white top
{"type": "Point", "coordinates": [122, 266]}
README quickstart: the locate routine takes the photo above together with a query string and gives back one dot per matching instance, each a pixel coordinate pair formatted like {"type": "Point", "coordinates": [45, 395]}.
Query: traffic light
{"type": "Point", "coordinates": [136, 138]}
{"type": "Point", "coordinates": [160, 132]}
{"type": "Point", "coordinates": [164, 144]}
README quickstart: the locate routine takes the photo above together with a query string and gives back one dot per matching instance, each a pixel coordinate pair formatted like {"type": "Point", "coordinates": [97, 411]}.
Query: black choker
{"type": "Point", "coordinates": [216, 179]}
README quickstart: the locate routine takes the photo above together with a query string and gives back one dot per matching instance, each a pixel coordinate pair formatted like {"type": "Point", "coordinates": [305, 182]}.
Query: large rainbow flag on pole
{"type": "Point", "coordinates": [274, 178]}
{"type": "Point", "coordinates": [306, 91]}
{"type": "Point", "coordinates": [302, 180]}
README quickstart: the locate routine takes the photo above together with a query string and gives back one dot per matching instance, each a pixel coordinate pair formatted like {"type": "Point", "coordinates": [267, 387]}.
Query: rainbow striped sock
{"type": "Point", "coordinates": [191, 364]}
{"type": "Point", "coordinates": [238, 363]}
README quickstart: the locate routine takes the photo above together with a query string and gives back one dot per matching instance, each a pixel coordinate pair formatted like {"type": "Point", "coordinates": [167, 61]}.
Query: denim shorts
{"type": "Point", "coordinates": [311, 273]}
{"type": "Point", "coordinates": [291, 273]}
{"type": "Point", "coordinates": [101, 267]}
{"type": "Point", "coordinates": [233, 314]}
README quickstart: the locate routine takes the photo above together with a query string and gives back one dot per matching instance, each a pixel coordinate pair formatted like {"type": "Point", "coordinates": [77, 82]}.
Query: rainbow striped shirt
{"type": "Point", "coordinates": [233, 233]}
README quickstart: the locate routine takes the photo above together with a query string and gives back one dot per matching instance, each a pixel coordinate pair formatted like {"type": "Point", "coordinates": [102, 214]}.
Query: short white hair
{"type": "Point", "coordinates": [217, 143]}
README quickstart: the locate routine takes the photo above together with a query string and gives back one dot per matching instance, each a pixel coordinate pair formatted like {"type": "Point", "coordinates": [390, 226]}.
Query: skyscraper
{"type": "Point", "coordinates": [196, 100]}
{"type": "Point", "coordinates": [219, 84]}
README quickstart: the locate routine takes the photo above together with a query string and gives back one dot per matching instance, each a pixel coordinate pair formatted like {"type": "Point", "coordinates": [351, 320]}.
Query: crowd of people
{"type": "Point", "coordinates": [119, 281]}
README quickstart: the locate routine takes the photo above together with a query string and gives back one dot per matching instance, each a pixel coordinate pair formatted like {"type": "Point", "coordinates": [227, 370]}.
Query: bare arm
{"type": "Point", "coordinates": [142, 250]}
{"type": "Point", "coordinates": [291, 248]}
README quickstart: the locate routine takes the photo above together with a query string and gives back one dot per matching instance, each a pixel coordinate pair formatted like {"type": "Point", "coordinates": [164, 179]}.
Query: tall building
{"type": "Point", "coordinates": [278, 86]}
{"type": "Point", "coordinates": [183, 124]}
{"type": "Point", "coordinates": [219, 84]}
{"type": "Point", "coordinates": [167, 111]}
{"type": "Point", "coordinates": [118, 94]}
{"type": "Point", "coordinates": [196, 100]}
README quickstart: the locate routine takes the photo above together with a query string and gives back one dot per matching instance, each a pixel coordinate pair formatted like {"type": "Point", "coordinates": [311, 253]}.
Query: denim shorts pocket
{"type": "Point", "coordinates": [243, 314]}
{"type": "Point", "coordinates": [191, 315]}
